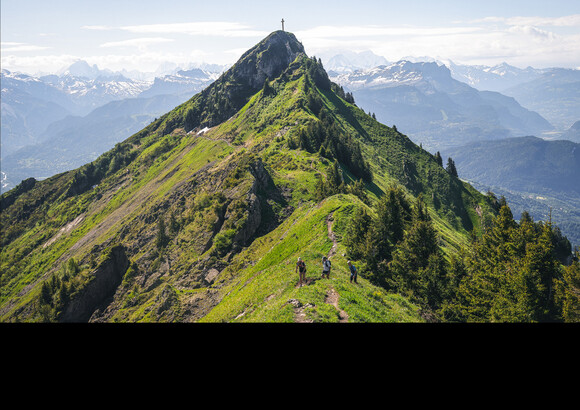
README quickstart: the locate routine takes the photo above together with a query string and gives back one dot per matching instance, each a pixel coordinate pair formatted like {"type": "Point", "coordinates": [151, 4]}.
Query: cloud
{"type": "Point", "coordinates": [98, 28]}
{"type": "Point", "coordinates": [140, 43]}
{"type": "Point", "coordinates": [10, 47]}
{"type": "Point", "coordinates": [563, 21]}
{"type": "Point", "coordinates": [533, 32]}
{"type": "Point", "coordinates": [373, 31]}
{"type": "Point", "coordinates": [483, 42]}
{"type": "Point", "coordinates": [216, 28]}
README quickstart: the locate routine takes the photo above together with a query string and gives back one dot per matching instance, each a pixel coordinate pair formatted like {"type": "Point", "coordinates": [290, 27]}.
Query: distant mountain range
{"type": "Point", "coordinates": [554, 93]}
{"type": "Point", "coordinates": [424, 101]}
{"type": "Point", "coordinates": [57, 122]}
{"type": "Point", "coordinates": [440, 105]}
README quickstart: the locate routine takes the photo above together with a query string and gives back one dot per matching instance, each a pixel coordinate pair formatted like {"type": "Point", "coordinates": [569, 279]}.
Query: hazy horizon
{"type": "Point", "coordinates": [45, 37]}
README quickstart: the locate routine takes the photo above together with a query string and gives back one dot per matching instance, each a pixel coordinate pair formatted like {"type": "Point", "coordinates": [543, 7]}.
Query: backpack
{"type": "Point", "coordinates": [327, 264]}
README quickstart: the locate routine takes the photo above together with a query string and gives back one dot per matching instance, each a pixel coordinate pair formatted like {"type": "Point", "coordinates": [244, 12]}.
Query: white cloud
{"type": "Point", "coordinates": [98, 28]}
{"type": "Point", "coordinates": [10, 47]}
{"type": "Point", "coordinates": [518, 40]}
{"type": "Point", "coordinates": [563, 21]}
{"type": "Point", "coordinates": [216, 28]}
{"type": "Point", "coordinates": [373, 31]}
{"type": "Point", "coordinates": [140, 43]}
{"type": "Point", "coordinates": [34, 64]}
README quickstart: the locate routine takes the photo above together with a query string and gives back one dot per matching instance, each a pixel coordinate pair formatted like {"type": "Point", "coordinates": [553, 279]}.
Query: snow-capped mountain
{"type": "Point", "coordinates": [183, 82]}
{"type": "Point", "coordinates": [425, 102]}
{"type": "Point", "coordinates": [497, 78]}
{"type": "Point", "coordinates": [90, 87]}
{"type": "Point", "coordinates": [393, 75]}
{"type": "Point", "coordinates": [49, 122]}
{"type": "Point", "coordinates": [349, 61]}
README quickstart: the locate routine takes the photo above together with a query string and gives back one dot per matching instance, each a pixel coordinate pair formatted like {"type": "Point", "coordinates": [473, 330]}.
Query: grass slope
{"type": "Point", "coordinates": [239, 210]}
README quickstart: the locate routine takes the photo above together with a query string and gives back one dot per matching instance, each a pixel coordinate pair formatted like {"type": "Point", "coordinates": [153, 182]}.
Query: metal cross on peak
{"type": "Point", "coordinates": [282, 24]}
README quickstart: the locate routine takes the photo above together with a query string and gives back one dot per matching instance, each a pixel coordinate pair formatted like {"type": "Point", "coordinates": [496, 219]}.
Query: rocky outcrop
{"type": "Point", "coordinates": [106, 279]}
{"type": "Point", "coordinates": [233, 89]}
{"type": "Point", "coordinates": [268, 59]}
{"type": "Point", "coordinates": [257, 200]}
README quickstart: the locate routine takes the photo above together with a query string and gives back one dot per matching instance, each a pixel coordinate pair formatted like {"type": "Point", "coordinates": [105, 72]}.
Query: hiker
{"type": "Point", "coordinates": [353, 272]}
{"type": "Point", "coordinates": [326, 265]}
{"type": "Point", "coordinates": [301, 268]}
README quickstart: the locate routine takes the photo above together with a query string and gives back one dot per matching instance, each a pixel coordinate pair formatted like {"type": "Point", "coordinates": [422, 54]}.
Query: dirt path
{"type": "Point", "coordinates": [332, 296]}
{"type": "Point", "coordinates": [332, 299]}
{"type": "Point", "coordinates": [331, 235]}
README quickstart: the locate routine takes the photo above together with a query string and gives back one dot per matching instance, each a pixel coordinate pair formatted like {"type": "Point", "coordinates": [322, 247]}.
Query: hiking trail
{"type": "Point", "coordinates": [331, 235]}
{"type": "Point", "coordinates": [331, 297]}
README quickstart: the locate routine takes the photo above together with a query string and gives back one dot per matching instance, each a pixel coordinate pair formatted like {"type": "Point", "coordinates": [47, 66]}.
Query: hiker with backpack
{"type": "Point", "coordinates": [301, 268]}
{"type": "Point", "coordinates": [326, 266]}
{"type": "Point", "coordinates": [353, 272]}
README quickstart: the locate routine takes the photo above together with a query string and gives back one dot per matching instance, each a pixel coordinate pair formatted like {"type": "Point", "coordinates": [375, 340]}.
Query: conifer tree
{"type": "Point", "coordinates": [418, 269]}
{"type": "Point", "coordinates": [357, 231]}
{"type": "Point", "coordinates": [567, 291]}
{"type": "Point", "coordinates": [451, 169]}
{"type": "Point", "coordinates": [45, 294]}
{"type": "Point", "coordinates": [335, 177]}
{"type": "Point", "coordinates": [439, 159]}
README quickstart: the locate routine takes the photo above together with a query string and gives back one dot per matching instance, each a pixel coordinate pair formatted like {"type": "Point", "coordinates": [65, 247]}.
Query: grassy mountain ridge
{"type": "Point", "coordinates": [201, 215]}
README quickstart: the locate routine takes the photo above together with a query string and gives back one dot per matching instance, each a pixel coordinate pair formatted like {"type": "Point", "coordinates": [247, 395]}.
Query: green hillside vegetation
{"type": "Point", "coordinates": [202, 215]}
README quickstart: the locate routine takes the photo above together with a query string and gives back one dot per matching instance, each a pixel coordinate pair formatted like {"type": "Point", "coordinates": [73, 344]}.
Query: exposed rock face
{"type": "Point", "coordinates": [262, 181]}
{"type": "Point", "coordinates": [268, 59]}
{"type": "Point", "coordinates": [107, 277]}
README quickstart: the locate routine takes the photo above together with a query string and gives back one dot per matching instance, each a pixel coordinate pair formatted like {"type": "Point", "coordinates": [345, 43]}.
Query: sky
{"type": "Point", "coordinates": [45, 36]}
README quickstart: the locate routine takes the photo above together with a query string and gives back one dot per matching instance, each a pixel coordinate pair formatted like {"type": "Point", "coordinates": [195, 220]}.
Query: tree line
{"type": "Point", "coordinates": [513, 272]}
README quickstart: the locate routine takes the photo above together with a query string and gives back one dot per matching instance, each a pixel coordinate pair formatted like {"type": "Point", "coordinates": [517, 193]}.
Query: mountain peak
{"type": "Point", "coordinates": [269, 58]}
{"type": "Point", "coordinates": [266, 61]}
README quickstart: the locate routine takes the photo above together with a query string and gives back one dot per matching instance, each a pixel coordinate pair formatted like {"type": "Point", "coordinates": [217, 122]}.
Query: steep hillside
{"type": "Point", "coordinates": [202, 215]}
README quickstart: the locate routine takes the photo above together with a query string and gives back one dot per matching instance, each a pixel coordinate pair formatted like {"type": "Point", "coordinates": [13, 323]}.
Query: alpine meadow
{"type": "Point", "coordinates": [202, 215]}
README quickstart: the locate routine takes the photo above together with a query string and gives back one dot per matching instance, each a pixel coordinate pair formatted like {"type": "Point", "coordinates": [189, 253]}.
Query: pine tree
{"type": "Point", "coordinates": [45, 294]}
{"type": "Point", "coordinates": [356, 234]}
{"type": "Point", "coordinates": [418, 269]}
{"type": "Point", "coordinates": [335, 177]}
{"type": "Point", "coordinates": [439, 159]}
{"type": "Point", "coordinates": [451, 169]}
{"type": "Point", "coordinates": [567, 291]}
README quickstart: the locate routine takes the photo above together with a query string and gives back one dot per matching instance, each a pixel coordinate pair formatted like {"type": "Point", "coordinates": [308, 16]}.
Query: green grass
{"type": "Point", "coordinates": [199, 179]}
{"type": "Point", "coordinates": [261, 291]}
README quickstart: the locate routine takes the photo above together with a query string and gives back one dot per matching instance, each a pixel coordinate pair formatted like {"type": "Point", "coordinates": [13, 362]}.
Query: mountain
{"type": "Point", "coordinates": [184, 82]}
{"type": "Point", "coordinates": [348, 61]}
{"type": "Point", "coordinates": [88, 93]}
{"type": "Point", "coordinates": [40, 137]}
{"type": "Point", "coordinates": [30, 104]}
{"type": "Point", "coordinates": [573, 133]}
{"type": "Point", "coordinates": [496, 78]}
{"type": "Point", "coordinates": [555, 95]}
{"type": "Point", "coordinates": [73, 141]}
{"type": "Point", "coordinates": [425, 101]}
{"type": "Point", "coordinates": [82, 69]}
{"type": "Point", "coordinates": [202, 215]}
{"type": "Point", "coordinates": [28, 107]}
{"type": "Point", "coordinates": [534, 174]}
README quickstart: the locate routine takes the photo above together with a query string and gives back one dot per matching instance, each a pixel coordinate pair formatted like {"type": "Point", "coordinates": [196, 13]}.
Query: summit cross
{"type": "Point", "coordinates": [282, 24]}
